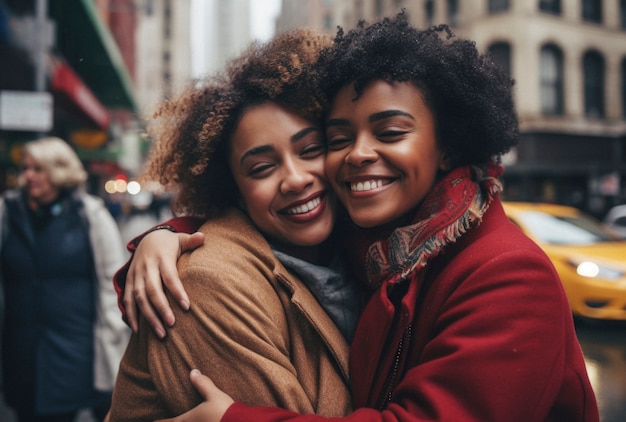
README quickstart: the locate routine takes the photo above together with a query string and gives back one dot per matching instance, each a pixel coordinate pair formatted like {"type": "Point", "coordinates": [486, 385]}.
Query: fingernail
{"type": "Point", "coordinates": [161, 333]}
{"type": "Point", "coordinates": [184, 304]}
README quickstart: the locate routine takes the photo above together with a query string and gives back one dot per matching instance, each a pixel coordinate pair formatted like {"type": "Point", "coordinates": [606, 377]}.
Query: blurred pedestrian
{"type": "Point", "coordinates": [62, 338]}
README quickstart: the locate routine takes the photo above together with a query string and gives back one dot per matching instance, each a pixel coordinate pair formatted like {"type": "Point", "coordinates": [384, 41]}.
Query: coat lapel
{"type": "Point", "coordinates": [304, 301]}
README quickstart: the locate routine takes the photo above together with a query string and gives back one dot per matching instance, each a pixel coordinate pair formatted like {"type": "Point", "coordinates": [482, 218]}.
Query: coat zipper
{"type": "Point", "coordinates": [391, 381]}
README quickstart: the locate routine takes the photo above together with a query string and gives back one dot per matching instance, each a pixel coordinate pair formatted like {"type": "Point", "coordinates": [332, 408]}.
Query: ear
{"type": "Point", "coordinates": [445, 162]}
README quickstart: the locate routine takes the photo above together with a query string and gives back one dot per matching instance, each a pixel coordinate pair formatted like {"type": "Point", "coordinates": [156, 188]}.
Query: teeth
{"type": "Point", "coordinates": [363, 186]}
{"type": "Point", "coordinates": [301, 209]}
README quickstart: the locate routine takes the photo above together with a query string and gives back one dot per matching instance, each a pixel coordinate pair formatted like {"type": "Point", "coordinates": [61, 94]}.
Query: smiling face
{"type": "Point", "coordinates": [277, 159]}
{"type": "Point", "coordinates": [382, 155]}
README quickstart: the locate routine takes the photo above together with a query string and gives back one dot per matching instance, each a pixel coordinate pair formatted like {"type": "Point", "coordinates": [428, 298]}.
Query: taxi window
{"type": "Point", "coordinates": [563, 230]}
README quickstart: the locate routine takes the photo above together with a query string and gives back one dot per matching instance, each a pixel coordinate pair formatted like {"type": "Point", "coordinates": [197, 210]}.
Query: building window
{"type": "Point", "coordinates": [328, 22]}
{"type": "Point", "coordinates": [550, 6]}
{"type": "Point", "coordinates": [592, 11]}
{"type": "Point", "coordinates": [551, 79]}
{"type": "Point", "coordinates": [496, 6]}
{"type": "Point", "coordinates": [453, 12]}
{"type": "Point", "coordinates": [358, 9]}
{"type": "Point", "coordinates": [378, 8]}
{"type": "Point", "coordinates": [500, 53]}
{"type": "Point", "coordinates": [149, 9]}
{"type": "Point", "coordinates": [593, 68]}
{"type": "Point", "coordinates": [429, 11]}
{"type": "Point", "coordinates": [624, 88]}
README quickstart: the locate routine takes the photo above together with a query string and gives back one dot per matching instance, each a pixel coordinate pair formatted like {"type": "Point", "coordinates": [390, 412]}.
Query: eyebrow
{"type": "Point", "coordinates": [373, 118]}
{"type": "Point", "coordinates": [256, 151]}
{"type": "Point", "coordinates": [301, 134]}
{"type": "Point", "coordinates": [389, 113]}
{"type": "Point", "coordinates": [267, 148]}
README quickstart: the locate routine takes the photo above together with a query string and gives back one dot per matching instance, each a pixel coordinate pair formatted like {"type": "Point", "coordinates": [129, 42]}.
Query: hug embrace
{"type": "Point", "coordinates": [354, 261]}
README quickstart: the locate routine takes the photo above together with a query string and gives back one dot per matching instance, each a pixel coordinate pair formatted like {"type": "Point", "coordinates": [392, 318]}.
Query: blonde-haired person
{"type": "Point", "coordinates": [62, 338]}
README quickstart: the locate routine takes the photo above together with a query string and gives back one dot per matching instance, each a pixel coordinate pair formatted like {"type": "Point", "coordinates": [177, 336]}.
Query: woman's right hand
{"type": "Point", "coordinates": [212, 409]}
{"type": "Point", "coordinates": [154, 265]}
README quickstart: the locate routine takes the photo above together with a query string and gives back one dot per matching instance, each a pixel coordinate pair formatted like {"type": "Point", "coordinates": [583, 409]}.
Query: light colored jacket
{"type": "Point", "coordinates": [253, 327]}
{"type": "Point", "coordinates": [110, 333]}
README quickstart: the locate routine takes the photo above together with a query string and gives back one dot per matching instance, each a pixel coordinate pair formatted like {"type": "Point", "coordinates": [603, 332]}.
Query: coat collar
{"type": "Point", "coordinates": [301, 297]}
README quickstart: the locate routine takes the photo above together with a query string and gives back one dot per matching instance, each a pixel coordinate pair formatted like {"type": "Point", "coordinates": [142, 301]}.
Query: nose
{"type": "Point", "coordinates": [361, 152]}
{"type": "Point", "coordinates": [296, 177]}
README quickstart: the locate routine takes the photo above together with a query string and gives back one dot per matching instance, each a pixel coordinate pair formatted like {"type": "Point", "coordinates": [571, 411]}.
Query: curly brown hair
{"type": "Point", "coordinates": [191, 132]}
{"type": "Point", "coordinates": [469, 95]}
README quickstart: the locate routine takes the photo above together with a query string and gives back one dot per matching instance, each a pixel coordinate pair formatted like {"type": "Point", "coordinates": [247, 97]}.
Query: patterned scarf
{"type": "Point", "coordinates": [454, 205]}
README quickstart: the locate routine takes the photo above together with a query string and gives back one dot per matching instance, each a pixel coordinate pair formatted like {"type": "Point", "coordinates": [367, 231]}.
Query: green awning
{"type": "Point", "coordinates": [88, 46]}
{"type": "Point", "coordinates": [99, 154]}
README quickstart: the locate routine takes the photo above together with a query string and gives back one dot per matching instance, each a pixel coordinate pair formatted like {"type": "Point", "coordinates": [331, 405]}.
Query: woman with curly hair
{"type": "Point", "coordinates": [245, 152]}
{"type": "Point", "coordinates": [466, 318]}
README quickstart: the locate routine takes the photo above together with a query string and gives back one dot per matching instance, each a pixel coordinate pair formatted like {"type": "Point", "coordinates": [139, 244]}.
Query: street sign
{"type": "Point", "coordinates": [26, 110]}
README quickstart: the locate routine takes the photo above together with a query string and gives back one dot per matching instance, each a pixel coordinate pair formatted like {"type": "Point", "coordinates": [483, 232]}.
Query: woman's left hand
{"type": "Point", "coordinates": [215, 404]}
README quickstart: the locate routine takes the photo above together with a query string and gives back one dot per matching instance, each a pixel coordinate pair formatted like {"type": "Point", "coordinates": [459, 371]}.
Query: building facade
{"type": "Point", "coordinates": [101, 66]}
{"type": "Point", "coordinates": [223, 31]}
{"type": "Point", "coordinates": [64, 74]}
{"type": "Point", "coordinates": [162, 66]}
{"type": "Point", "coordinates": [311, 13]}
{"type": "Point", "coordinates": [163, 40]}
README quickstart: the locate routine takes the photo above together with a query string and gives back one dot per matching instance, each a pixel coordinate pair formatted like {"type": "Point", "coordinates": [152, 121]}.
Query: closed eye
{"type": "Point", "coordinates": [313, 150]}
{"type": "Point", "coordinates": [391, 135]}
{"type": "Point", "coordinates": [260, 170]}
{"type": "Point", "coordinates": [338, 143]}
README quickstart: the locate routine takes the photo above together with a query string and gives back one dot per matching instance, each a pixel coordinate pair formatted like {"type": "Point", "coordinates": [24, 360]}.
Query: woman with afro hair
{"type": "Point", "coordinates": [245, 153]}
{"type": "Point", "coordinates": [466, 318]}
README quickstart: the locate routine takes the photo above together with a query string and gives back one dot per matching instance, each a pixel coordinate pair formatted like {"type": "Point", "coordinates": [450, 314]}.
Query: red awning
{"type": "Point", "coordinates": [66, 81]}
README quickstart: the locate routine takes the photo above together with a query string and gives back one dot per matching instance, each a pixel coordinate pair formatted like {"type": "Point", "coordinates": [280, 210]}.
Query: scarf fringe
{"type": "Point", "coordinates": [410, 248]}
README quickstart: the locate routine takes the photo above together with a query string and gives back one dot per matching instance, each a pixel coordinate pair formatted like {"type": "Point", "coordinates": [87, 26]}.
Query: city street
{"type": "Point", "coordinates": [604, 346]}
{"type": "Point", "coordinates": [308, 115]}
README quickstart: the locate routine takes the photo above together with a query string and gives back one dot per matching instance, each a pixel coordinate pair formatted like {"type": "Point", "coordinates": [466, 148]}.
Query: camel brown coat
{"type": "Point", "coordinates": [254, 328]}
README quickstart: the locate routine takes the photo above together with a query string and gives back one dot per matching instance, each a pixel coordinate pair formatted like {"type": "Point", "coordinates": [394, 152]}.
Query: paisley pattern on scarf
{"type": "Point", "coordinates": [454, 205]}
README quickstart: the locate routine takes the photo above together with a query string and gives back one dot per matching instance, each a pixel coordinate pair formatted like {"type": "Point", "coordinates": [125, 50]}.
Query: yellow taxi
{"type": "Point", "coordinates": [590, 259]}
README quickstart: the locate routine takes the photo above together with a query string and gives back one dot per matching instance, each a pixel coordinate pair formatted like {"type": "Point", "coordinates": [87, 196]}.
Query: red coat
{"type": "Point", "coordinates": [487, 336]}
